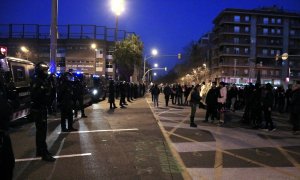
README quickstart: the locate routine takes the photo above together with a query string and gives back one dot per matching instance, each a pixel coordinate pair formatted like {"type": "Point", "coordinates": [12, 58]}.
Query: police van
{"type": "Point", "coordinates": [19, 72]}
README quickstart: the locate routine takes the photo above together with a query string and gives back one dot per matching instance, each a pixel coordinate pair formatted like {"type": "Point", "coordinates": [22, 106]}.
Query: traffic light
{"type": "Point", "coordinates": [3, 52]}
{"type": "Point", "coordinates": [179, 55]}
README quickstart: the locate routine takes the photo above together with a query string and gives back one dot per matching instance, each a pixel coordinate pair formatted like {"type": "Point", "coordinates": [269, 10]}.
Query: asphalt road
{"type": "Point", "coordinates": [143, 142]}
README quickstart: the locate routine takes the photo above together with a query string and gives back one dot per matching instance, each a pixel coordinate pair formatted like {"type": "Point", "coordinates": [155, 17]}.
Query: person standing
{"type": "Point", "coordinates": [111, 96]}
{"type": "Point", "coordinates": [65, 98]}
{"type": "Point", "coordinates": [79, 89]}
{"type": "Point", "coordinates": [194, 103]}
{"type": "Point", "coordinates": [40, 94]}
{"type": "Point", "coordinates": [155, 91]}
{"type": "Point", "coordinates": [7, 159]}
{"type": "Point", "coordinates": [211, 102]}
{"type": "Point", "coordinates": [295, 107]}
{"type": "Point", "coordinates": [167, 92]}
{"type": "Point", "coordinates": [267, 102]}
{"type": "Point", "coordinates": [122, 89]}
{"type": "Point", "coordinates": [222, 102]}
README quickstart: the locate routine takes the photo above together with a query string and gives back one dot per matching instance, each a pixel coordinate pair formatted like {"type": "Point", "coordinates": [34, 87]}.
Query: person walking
{"type": "Point", "coordinates": [295, 107]}
{"type": "Point", "coordinates": [194, 103]}
{"type": "Point", "coordinates": [40, 94]}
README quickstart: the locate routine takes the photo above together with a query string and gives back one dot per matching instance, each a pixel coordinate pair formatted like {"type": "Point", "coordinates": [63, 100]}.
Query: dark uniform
{"type": "Point", "coordinates": [111, 96]}
{"type": "Point", "coordinates": [7, 159]}
{"type": "Point", "coordinates": [40, 94]}
{"type": "Point", "coordinates": [78, 89]}
{"type": "Point", "coordinates": [65, 99]}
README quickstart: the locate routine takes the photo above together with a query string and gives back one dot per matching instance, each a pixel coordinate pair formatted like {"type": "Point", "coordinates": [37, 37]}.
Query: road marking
{"type": "Point", "coordinates": [56, 157]}
{"type": "Point", "coordinates": [102, 130]}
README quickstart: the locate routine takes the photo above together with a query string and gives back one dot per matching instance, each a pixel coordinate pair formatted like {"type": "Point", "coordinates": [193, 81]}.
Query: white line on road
{"type": "Point", "coordinates": [102, 130]}
{"type": "Point", "coordinates": [56, 157]}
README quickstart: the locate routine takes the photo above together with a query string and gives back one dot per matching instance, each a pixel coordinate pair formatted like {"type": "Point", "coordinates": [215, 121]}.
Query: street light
{"type": "Point", "coordinates": [156, 65]}
{"type": "Point", "coordinates": [117, 6]}
{"type": "Point", "coordinates": [285, 57]}
{"type": "Point", "coordinates": [165, 68]}
{"type": "Point", "coordinates": [94, 47]}
{"type": "Point", "coordinates": [154, 53]}
{"type": "Point", "coordinates": [25, 50]}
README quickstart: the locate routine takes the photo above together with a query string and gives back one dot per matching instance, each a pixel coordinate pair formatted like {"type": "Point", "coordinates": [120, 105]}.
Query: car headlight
{"type": "Point", "coordinates": [95, 91]}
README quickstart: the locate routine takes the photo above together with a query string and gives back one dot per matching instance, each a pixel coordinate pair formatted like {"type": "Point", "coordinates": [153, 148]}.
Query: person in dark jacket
{"type": "Point", "coordinates": [122, 89]}
{"type": "Point", "coordinates": [40, 94]}
{"type": "Point", "coordinates": [78, 90]}
{"type": "Point", "coordinates": [194, 102]}
{"type": "Point", "coordinates": [211, 103]}
{"type": "Point", "coordinates": [295, 108]}
{"type": "Point", "coordinates": [7, 96]}
{"type": "Point", "coordinates": [155, 91]}
{"type": "Point", "coordinates": [267, 102]}
{"type": "Point", "coordinates": [65, 98]}
{"type": "Point", "coordinates": [167, 92]}
{"type": "Point", "coordinates": [111, 96]}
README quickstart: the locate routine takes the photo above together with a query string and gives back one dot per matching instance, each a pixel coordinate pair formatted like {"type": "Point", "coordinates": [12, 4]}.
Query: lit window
{"type": "Point", "coordinates": [278, 21]}
{"type": "Point", "coordinates": [273, 31]}
{"type": "Point", "coordinates": [236, 29]}
{"type": "Point", "coordinates": [246, 50]}
{"type": "Point", "coordinates": [272, 52]}
{"type": "Point", "coordinates": [236, 40]}
{"type": "Point", "coordinates": [266, 20]}
{"type": "Point", "coordinates": [237, 18]}
{"type": "Point", "coordinates": [236, 50]}
{"type": "Point", "coordinates": [247, 18]}
{"type": "Point", "coordinates": [278, 31]}
{"type": "Point", "coordinates": [246, 29]}
{"type": "Point", "coordinates": [292, 32]}
{"type": "Point", "coordinates": [265, 30]}
{"type": "Point", "coordinates": [273, 20]}
{"type": "Point", "coordinates": [265, 51]}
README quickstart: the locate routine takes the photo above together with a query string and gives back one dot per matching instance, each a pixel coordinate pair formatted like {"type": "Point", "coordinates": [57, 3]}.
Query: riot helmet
{"type": "Point", "coordinates": [41, 70]}
{"type": "Point", "coordinates": [67, 77]}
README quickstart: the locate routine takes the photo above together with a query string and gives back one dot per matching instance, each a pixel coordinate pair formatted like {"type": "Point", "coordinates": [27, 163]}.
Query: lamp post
{"type": "Point", "coordinates": [285, 57]}
{"type": "Point", "coordinates": [94, 47]}
{"type": "Point", "coordinates": [154, 52]}
{"type": "Point", "coordinates": [117, 6]}
{"type": "Point", "coordinates": [25, 50]}
{"type": "Point", "coordinates": [165, 68]}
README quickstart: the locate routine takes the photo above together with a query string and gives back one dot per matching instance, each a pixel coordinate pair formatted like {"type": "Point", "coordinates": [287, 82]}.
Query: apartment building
{"type": "Point", "coordinates": [74, 46]}
{"type": "Point", "coordinates": [246, 42]}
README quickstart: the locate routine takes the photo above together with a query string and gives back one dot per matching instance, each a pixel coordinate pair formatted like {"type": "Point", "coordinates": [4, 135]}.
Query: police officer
{"type": "Point", "coordinates": [7, 159]}
{"type": "Point", "coordinates": [40, 94]}
{"type": "Point", "coordinates": [65, 98]}
{"type": "Point", "coordinates": [78, 90]}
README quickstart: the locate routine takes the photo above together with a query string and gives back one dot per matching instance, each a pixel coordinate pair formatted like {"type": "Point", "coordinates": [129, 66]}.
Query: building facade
{"type": "Point", "coordinates": [246, 42]}
{"type": "Point", "coordinates": [74, 51]}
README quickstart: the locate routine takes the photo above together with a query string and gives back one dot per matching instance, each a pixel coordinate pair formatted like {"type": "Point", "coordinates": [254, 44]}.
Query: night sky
{"type": "Point", "coordinates": [168, 25]}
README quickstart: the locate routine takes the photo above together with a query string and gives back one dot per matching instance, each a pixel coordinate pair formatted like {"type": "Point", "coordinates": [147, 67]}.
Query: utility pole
{"type": "Point", "coordinates": [53, 34]}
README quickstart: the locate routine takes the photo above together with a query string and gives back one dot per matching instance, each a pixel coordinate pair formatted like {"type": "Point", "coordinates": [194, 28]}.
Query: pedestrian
{"type": "Point", "coordinates": [122, 89]}
{"type": "Point", "coordinates": [221, 102]}
{"type": "Point", "coordinates": [65, 98]}
{"type": "Point", "coordinates": [232, 96]}
{"type": "Point", "coordinates": [155, 91]}
{"type": "Point", "coordinates": [7, 159]}
{"type": "Point", "coordinates": [267, 103]}
{"type": "Point", "coordinates": [167, 92]}
{"type": "Point", "coordinates": [79, 88]}
{"type": "Point", "coordinates": [40, 94]}
{"type": "Point", "coordinates": [111, 96]}
{"type": "Point", "coordinates": [194, 103]}
{"type": "Point", "coordinates": [211, 103]}
{"type": "Point", "coordinates": [295, 108]}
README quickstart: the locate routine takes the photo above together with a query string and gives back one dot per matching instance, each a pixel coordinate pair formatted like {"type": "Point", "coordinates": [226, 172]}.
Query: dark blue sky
{"type": "Point", "coordinates": [168, 25]}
